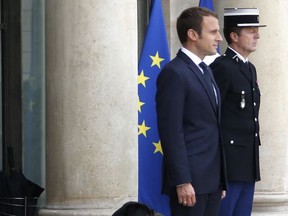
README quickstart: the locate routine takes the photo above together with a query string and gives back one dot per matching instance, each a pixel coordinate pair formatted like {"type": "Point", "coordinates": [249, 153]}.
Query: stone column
{"type": "Point", "coordinates": [91, 106]}
{"type": "Point", "coordinates": [270, 60]}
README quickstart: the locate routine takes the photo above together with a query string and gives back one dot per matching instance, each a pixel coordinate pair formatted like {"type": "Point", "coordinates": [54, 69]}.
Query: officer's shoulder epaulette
{"type": "Point", "coordinates": [222, 58]}
{"type": "Point", "coordinates": [225, 58]}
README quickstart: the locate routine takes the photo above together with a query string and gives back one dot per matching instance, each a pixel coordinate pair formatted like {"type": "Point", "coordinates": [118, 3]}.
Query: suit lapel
{"type": "Point", "coordinates": [218, 94]}
{"type": "Point", "coordinates": [252, 72]}
{"type": "Point", "coordinates": [194, 68]}
{"type": "Point", "coordinates": [243, 67]}
{"type": "Point", "coordinates": [245, 70]}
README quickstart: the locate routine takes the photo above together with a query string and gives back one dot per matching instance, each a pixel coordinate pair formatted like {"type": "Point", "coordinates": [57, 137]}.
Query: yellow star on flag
{"type": "Point", "coordinates": [156, 60]}
{"type": "Point", "coordinates": [158, 147]}
{"type": "Point", "coordinates": [143, 128]}
{"type": "Point", "coordinates": [140, 104]}
{"type": "Point", "coordinates": [142, 78]}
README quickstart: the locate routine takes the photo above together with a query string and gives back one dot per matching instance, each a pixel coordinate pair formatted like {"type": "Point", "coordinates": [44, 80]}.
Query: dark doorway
{"type": "Point", "coordinates": [11, 81]}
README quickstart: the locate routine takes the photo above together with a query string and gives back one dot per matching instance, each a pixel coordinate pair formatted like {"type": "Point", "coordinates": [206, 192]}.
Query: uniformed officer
{"type": "Point", "coordinates": [237, 80]}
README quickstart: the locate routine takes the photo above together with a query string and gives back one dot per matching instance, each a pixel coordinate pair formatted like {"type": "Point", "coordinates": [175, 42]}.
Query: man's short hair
{"type": "Point", "coordinates": [228, 30]}
{"type": "Point", "coordinates": [192, 18]}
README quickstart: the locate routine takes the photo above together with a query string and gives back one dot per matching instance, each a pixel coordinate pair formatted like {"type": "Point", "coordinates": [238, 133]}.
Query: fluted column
{"type": "Point", "coordinates": [91, 106]}
{"type": "Point", "coordinates": [271, 59]}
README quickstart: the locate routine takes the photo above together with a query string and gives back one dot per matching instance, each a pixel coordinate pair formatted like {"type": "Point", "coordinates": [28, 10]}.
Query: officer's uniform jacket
{"type": "Point", "coordinates": [240, 97]}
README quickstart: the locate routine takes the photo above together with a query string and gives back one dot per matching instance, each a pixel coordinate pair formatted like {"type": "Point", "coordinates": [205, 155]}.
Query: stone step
{"type": "Point", "coordinates": [269, 214]}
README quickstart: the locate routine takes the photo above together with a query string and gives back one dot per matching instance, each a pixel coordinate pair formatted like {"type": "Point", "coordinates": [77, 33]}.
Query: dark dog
{"type": "Point", "coordinates": [135, 209]}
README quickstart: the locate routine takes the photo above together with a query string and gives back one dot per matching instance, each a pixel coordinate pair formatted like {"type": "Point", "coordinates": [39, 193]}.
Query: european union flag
{"type": "Point", "coordinates": [154, 56]}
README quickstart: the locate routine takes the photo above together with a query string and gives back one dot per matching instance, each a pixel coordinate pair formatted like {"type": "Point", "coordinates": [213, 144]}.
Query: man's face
{"type": "Point", "coordinates": [210, 37]}
{"type": "Point", "coordinates": [247, 40]}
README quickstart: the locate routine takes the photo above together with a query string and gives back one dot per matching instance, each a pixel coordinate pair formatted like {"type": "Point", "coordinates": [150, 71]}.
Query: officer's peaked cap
{"type": "Point", "coordinates": [242, 17]}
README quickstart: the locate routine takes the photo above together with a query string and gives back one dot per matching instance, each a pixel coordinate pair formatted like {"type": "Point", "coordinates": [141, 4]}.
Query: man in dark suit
{"type": "Point", "coordinates": [188, 104]}
{"type": "Point", "coordinates": [240, 95]}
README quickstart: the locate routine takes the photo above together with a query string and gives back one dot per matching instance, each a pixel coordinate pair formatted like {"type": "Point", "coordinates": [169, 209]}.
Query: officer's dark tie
{"type": "Point", "coordinates": [249, 72]}
{"type": "Point", "coordinates": [208, 76]}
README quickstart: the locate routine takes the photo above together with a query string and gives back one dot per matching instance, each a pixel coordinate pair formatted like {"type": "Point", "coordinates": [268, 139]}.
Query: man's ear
{"type": "Point", "coordinates": [192, 34]}
{"type": "Point", "coordinates": [234, 36]}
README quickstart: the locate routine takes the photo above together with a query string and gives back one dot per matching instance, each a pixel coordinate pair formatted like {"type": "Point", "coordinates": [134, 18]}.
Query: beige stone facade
{"type": "Point", "coordinates": [91, 103]}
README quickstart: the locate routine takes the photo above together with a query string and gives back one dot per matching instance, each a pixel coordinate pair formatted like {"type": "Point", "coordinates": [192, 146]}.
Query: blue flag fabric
{"type": "Point", "coordinates": [154, 56]}
{"type": "Point", "coordinates": [207, 3]}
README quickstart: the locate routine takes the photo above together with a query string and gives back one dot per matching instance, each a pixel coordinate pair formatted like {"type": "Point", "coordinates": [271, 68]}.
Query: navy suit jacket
{"type": "Point", "coordinates": [188, 126]}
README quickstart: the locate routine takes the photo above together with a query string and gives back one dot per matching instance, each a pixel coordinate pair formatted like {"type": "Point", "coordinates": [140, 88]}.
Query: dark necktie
{"type": "Point", "coordinates": [247, 64]}
{"type": "Point", "coordinates": [208, 77]}
{"type": "Point", "coordinates": [248, 72]}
